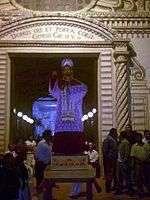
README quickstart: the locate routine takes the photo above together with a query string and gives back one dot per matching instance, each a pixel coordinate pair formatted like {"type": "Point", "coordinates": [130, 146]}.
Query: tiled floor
{"type": "Point", "coordinates": [63, 194]}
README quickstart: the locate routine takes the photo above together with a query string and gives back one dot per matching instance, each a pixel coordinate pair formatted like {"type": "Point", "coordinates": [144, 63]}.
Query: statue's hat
{"type": "Point", "coordinates": [67, 62]}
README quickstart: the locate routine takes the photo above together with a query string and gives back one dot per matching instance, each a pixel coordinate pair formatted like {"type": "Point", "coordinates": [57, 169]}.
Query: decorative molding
{"type": "Point", "coordinates": [127, 21]}
{"type": "Point", "coordinates": [106, 92]}
{"type": "Point", "coordinates": [46, 18]}
{"type": "Point", "coordinates": [139, 108]}
{"type": "Point", "coordinates": [74, 26]}
{"type": "Point", "coordinates": [61, 44]}
{"type": "Point", "coordinates": [121, 46]}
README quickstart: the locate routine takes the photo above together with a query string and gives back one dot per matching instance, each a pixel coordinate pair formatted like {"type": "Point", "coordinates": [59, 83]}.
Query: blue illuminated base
{"type": "Point", "coordinates": [44, 114]}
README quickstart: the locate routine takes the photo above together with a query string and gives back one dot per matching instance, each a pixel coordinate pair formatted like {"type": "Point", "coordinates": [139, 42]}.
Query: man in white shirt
{"type": "Point", "coordinates": [93, 154]}
{"type": "Point", "coordinates": [94, 161]}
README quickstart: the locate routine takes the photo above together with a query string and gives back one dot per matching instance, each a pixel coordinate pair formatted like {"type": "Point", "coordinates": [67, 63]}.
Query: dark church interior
{"type": "Point", "coordinates": [30, 75]}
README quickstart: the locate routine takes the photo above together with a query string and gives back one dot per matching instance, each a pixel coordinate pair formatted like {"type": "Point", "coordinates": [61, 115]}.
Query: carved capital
{"type": "Point", "coordinates": [121, 45]}
{"type": "Point", "coordinates": [121, 57]}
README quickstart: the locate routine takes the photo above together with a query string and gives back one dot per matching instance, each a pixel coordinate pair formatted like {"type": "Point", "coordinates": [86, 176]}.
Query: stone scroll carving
{"type": "Point", "coordinates": [139, 96]}
{"type": "Point", "coordinates": [138, 71]}
{"type": "Point", "coordinates": [126, 5]}
{"type": "Point", "coordinates": [122, 91]}
{"type": "Point", "coordinates": [121, 5]}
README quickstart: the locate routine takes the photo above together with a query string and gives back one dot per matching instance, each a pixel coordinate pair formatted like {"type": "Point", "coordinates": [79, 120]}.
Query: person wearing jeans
{"type": "Point", "coordinates": [43, 157]}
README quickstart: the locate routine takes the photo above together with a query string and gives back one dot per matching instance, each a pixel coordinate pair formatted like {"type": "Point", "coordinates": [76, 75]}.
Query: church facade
{"type": "Point", "coordinates": [112, 30]}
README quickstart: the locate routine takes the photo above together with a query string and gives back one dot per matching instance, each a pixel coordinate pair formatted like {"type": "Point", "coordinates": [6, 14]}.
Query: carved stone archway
{"type": "Point", "coordinates": [71, 34]}
{"type": "Point", "coordinates": [58, 34]}
{"type": "Point", "coordinates": [51, 28]}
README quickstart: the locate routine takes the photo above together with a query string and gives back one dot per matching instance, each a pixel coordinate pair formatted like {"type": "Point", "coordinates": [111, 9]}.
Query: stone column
{"type": "Point", "coordinates": [123, 111]}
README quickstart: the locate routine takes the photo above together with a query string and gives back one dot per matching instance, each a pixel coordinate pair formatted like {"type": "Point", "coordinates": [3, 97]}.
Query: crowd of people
{"type": "Point", "coordinates": [126, 159]}
{"type": "Point", "coordinates": [126, 162]}
{"type": "Point", "coordinates": [25, 160]}
{"type": "Point", "coordinates": [14, 174]}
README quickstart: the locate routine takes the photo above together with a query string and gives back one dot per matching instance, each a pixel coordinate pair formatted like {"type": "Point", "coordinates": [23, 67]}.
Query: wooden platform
{"type": "Point", "coordinates": [71, 176]}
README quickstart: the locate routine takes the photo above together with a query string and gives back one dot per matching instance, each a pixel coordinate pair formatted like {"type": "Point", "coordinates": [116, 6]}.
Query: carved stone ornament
{"type": "Point", "coordinates": [128, 18]}
{"type": "Point", "coordinates": [137, 70]}
{"type": "Point", "coordinates": [97, 5]}
{"type": "Point", "coordinates": [126, 5]}
{"type": "Point", "coordinates": [57, 29]}
{"type": "Point", "coordinates": [52, 32]}
{"type": "Point", "coordinates": [102, 5]}
{"type": "Point", "coordinates": [119, 5]}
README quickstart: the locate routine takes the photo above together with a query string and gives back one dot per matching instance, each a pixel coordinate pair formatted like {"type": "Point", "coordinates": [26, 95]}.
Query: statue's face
{"type": "Point", "coordinates": [67, 74]}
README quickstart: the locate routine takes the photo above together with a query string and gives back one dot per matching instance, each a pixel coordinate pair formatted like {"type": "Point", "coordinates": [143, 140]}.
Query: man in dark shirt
{"type": "Point", "coordinates": [110, 153]}
{"type": "Point", "coordinates": [131, 135]}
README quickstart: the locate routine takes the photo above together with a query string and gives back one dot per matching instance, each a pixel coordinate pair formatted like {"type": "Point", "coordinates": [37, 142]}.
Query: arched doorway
{"type": "Point", "coordinates": [46, 40]}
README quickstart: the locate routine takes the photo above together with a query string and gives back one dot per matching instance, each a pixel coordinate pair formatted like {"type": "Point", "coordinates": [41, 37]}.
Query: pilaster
{"type": "Point", "coordinates": [123, 110]}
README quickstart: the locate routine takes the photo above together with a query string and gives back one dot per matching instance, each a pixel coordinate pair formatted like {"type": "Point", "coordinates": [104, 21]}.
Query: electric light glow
{"type": "Point", "coordinates": [19, 114]}
{"type": "Point", "coordinates": [90, 114]}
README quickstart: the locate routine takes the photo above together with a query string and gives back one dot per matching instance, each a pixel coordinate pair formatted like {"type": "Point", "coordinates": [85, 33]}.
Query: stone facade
{"type": "Point", "coordinates": [54, 5]}
{"type": "Point", "coordinates": [101, 27]}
